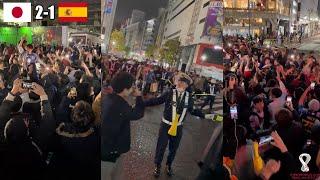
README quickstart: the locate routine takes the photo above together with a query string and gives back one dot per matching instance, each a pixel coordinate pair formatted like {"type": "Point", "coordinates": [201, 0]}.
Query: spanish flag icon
{"type": "Point", "coordinates": [73, 12]}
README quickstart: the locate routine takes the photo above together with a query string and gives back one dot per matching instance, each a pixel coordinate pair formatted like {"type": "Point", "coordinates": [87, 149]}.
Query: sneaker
{"type": "Point", "coordinates": [169, 171]}
{"type": "Point", "coordinates": [157, 170]}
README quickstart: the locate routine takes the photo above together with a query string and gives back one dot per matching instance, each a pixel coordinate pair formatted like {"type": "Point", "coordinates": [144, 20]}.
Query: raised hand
{"type": "Point", "coordinates": [37, 89]}
{"type": "Point", "coordinates": [17, 86]}
{"type": "Point", "coordinates": [277, 142]}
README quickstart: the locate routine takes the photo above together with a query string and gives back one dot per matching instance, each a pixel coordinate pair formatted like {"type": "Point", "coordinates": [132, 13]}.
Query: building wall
{"type": "Point", "coordinates": [309, 18]}
{"type": "Point", "coordinates": [185, 21]}
{"type": "Point", "coordinates": [137, 16]}
{"type": "Point", "coordinates": [134, 36]}
{"type": "Point", "coordinates": [134, 30]}
{"type": "Point", "coordinates": [161, 27]}
{"type": "Point", "coordinates": [263, 19]}
{"type": "Point", "coordinates": [150, 32]}
{"type": "Point", "coordinates": [177, 27]}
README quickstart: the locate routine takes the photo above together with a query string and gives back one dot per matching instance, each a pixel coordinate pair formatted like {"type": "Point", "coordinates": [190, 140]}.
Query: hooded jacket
{"type": "Point", "coordinates": [76, 154]}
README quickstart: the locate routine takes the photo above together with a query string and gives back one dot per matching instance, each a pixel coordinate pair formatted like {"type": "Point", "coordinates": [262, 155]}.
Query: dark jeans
{"type": "Point", "coordinates": [162, 143]}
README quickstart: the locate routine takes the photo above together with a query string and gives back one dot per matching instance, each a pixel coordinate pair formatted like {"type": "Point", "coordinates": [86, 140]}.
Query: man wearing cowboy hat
{"type": "Point", "coordinates": [177, 102]}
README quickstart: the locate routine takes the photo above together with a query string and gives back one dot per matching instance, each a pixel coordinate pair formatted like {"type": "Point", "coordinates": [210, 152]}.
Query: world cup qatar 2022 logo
{"type": "Point", "coordinates": [304, 162]}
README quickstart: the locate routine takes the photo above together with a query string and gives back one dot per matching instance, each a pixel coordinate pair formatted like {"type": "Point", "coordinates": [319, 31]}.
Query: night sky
{"type": "Point", "coordinates": [125, 7]}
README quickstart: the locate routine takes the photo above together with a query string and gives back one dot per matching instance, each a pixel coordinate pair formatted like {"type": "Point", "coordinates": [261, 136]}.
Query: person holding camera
{"type": "Point", "coordinates": [23, 148]}
{"type": "Point", "coordinates": [311, 115]}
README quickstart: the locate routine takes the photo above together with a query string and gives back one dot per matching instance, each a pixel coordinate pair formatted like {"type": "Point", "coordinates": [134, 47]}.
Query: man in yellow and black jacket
{"type": "Point", "coordinates": [177, 102]}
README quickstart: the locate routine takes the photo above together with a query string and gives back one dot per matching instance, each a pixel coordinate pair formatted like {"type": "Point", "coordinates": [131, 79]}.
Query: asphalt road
{"type": "Point", "coordinates": [312, 44]}
{"type": "Point", "coordinates": [138, 163]}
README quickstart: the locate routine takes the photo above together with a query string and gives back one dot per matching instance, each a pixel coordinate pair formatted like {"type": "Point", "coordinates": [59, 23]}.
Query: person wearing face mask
{"type": "Point", "coordinates": [177, 102]}
{"type": "Point", "coordinates": [116, 117]}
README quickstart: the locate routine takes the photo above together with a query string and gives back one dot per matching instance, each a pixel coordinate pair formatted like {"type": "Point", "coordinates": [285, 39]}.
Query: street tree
{"type": "Point", "coordinates": [170, 51]}
{"type": "Point", "coordinates": [150, 51]}
{"type": "Point", "coordinates": [127, 50]}
{"type": "Point", "coordinates": [117, 41]}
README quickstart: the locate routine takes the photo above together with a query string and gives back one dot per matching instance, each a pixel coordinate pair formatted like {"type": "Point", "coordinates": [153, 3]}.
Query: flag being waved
{"type": "Point", "coordinates": [16, 12]}
{"type": "Point", "coordinates": [73, 12]}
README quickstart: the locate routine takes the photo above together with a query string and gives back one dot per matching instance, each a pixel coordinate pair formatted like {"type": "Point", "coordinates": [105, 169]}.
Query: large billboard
{"type": "Point", "coordinates": [214, 22]}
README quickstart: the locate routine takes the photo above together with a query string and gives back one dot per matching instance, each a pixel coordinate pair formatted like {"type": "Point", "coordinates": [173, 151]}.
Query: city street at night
{"type": "Point", "coordinates": [148, 48]}
{"type": "Point", "coordinates": [138, 162]}
{"type": "Point", "coordinates": [311, 44]}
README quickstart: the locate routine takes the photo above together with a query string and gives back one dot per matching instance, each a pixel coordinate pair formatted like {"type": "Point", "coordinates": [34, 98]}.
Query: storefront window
{"type": "Point", "coordinates": [228, 3]}
{"type": "Point", "coordinates": [256, 31]}
{"type": "Point", "coordinates": [271, 4]}
{"type": "Point", "coordinates": [242, 4]}
{"type": "Point", "coordinates": [283, 7]}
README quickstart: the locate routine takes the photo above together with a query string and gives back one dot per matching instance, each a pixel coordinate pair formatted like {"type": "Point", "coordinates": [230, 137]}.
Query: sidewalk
{"type": "Point", "coordinates": [297, 44]}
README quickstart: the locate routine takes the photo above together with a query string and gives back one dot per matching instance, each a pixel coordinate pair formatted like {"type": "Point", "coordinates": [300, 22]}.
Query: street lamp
{"type": "Point", "coordinates": [113, 43]}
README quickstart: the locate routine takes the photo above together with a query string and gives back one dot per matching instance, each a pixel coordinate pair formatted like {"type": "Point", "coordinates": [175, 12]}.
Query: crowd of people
{"type": "Point", "coordinates": [278, 39]}
{"type": "Point", "coordinates": [153, 80]}
{"type": "Point", "coordinates": [147, 84]}
{"type": "Point", "coordinates": [50, 107]}
{"type": "Point", "coordinates": [50, 111]}
{"type": "Point", "coordinates": [272, 110]}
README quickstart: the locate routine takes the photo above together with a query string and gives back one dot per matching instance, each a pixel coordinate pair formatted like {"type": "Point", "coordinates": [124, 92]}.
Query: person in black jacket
{"type": "Point", "coordinates": [77, 154]}
{"type": "Point", "coordinates": [180, 100]}
{"type": "Point", "coordinates": [211, 90]}
{"type": "Point", "coordinates": [22, 148]}
{"type": "Point", "coordinates": [3, 89]}
{"type": "Point", "coordinates": [19, 153]}
{"type": "Point", "coordinates": [116, 117]}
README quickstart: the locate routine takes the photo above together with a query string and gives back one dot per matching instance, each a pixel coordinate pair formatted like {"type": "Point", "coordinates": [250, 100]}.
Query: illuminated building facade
{"type": "Point", "coordinates": [257, 16]}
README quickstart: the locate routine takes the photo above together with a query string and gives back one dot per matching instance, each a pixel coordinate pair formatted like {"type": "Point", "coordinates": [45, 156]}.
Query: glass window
{"type": "Point", "coordinates": [228, 3]}
{"type": "Point", "coordinates": [271, 4]}
{"type": "Point", "coordinates": [242, 4]}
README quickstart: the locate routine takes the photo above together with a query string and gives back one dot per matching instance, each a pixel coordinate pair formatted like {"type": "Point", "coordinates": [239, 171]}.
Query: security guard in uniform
{"type": "Point", "coordinates": [211, 91]}
{"type": "Point", "coordinates": [178, 102]}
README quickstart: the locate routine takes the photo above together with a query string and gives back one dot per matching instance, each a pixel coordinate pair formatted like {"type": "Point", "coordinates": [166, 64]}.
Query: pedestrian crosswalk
{"type": "Point", "coordinates": [217, 106]}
